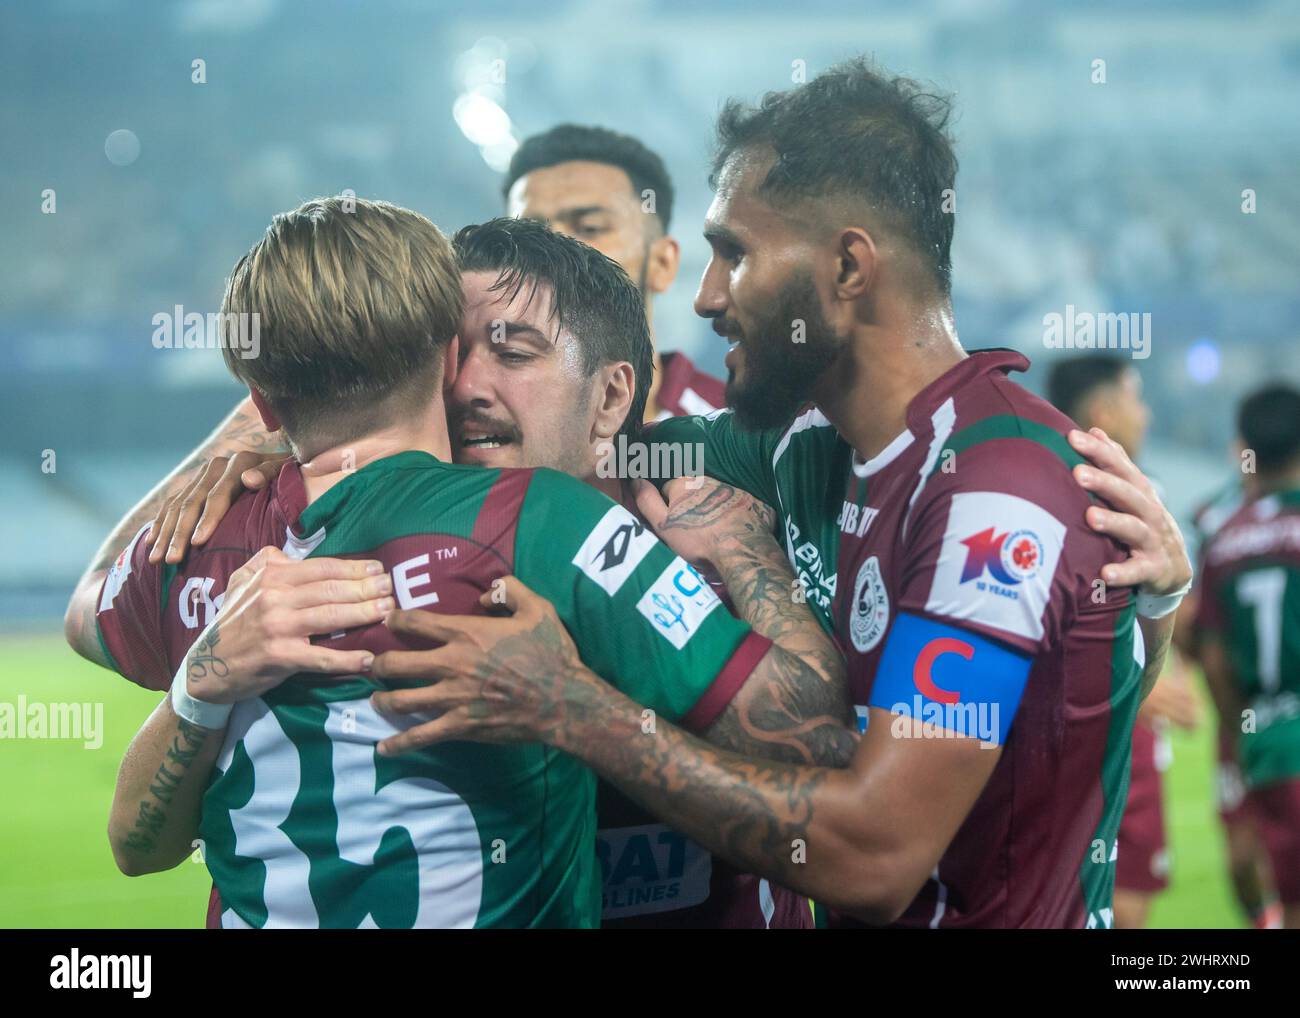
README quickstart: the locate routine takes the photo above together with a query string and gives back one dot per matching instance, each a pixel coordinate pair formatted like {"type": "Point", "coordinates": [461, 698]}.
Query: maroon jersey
{"type": "Point", "coordinates": [685, 391]}
{"type": "Point", "coordinates": [969, 580]}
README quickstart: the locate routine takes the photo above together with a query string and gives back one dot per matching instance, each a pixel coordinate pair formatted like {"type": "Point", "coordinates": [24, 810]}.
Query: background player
{"type": "Point", "coordinates": [1249, 622]}
{"type": "Point", "coordinates": [610, 191]}
{"type": "Point", "coordinates": [1104, 390]}
{"type": "Point", "coordinates": [830, 270]}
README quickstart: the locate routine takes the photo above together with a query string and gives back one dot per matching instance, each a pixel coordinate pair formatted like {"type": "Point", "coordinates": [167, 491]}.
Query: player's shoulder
{"type": "Point", "coordinates": [999, 478]}
{"type": "Point", "coordinates": [1000, 436]}
{"type": "Point", "coordinates": [1264, 526]}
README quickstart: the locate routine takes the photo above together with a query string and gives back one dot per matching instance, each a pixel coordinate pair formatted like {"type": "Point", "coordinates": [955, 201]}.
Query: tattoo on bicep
{"type": "Point", "coordinates": [791, 715]}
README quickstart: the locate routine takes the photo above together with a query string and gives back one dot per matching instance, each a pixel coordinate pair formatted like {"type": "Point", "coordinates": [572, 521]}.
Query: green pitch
{"type": "Point", "coordinates": [56, 869]}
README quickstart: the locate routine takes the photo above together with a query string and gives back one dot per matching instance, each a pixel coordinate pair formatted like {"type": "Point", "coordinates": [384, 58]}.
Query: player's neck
{"type": "Point", "coordinates": [867, 391]}
{"type": "Point", "coordinates": [420, 433]}
{"type": "Point", "coordinates": [1278, 481]}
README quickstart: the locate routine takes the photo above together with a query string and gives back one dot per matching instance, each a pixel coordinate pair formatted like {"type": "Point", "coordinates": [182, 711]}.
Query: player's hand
{"type": "Point", "coordinates": [494, 679]}
{"type": "Point", "coordinates": [702, 515]}
{"type": "Point", "coordinates": [190, 516]}
{"type": "Point", "coordinates": [1157, 561]}
{"type": "Point", "coordinates": [273, 606]}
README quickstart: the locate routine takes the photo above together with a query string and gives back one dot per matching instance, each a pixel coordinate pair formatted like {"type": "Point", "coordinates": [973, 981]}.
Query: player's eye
{"type": "Point", "coordinates": [728, 252]}
{"type": "Point", "coordinates": [511, 356]}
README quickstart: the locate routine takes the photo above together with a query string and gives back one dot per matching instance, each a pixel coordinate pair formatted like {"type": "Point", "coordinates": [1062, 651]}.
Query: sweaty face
{"type": "Point", "coordinates": [758, 289]}
{"type": "Point", "coordinates": [520, 398]}
{"type": "Point", "coordinates": [591, 202]}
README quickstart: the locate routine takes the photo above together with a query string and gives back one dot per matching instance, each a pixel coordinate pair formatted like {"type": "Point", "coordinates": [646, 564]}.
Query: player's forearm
{"type": "Point", "coordinates": [157, 803]}
{"type": "Point", "coordinates": [795, 707]}
{"type": "Point", "coordinates": [804, 827]}
{"type": "Point", "coordinates": [1156, 634]}
{"type": "Point", "coordinates": [769, 597]}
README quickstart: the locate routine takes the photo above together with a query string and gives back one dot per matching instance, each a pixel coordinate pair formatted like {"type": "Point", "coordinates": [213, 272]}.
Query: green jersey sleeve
{"type": "Point", "coordinates": [727, 451]}
{"type": "Point", "coordinates": [641, 616]}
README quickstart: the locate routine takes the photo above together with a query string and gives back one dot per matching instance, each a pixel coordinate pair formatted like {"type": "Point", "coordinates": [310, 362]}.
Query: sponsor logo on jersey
{"type": "Point", "coordinates": [650, 869]}
{"type": "Point", "coordinates": [809, 565]}
{"type": "Point", "coordinates": [198, 608]}
{"type": "Point", "coordinates": [855, 519]}
{"type": "Point", "coordinates": [678, 602]}
{"type": "Point", "coordinates": [614, 549]}
{"type": "Point", "coordinates": [997, 561]}
{"type": "Point", "coordinates": [119, 571]}
{"type": "Point", "coordinates": [870, 615]}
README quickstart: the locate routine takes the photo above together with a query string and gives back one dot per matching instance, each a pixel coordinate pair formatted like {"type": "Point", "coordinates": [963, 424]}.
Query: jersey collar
{"type": "Point", "coordinates": [291, 492]}
{"type": "Point", "coordinates": [978, 364]}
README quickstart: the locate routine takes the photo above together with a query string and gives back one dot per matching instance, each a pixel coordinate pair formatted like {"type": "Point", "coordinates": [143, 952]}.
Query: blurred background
{"type": "Point", "coordinates": [1124, 195]}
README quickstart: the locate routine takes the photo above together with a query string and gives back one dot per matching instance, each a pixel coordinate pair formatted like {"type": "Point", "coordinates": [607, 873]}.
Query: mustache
{"type": "Point", "coordinates": [490, 425]}
{"type": "Point", "coordinates": [728, 328]}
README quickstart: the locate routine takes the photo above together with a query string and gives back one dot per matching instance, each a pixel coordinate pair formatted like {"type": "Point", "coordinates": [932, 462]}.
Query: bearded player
{"type": "Point", "coordinates": [994, 646]}
{"type": "Point", "coordinates": [302, 826]}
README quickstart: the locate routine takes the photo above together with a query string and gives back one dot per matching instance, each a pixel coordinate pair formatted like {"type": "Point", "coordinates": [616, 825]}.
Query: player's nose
{"type": "Point", "coordinates": [711, 297]}
{"type": "Point", "coordinates": [473, 385]}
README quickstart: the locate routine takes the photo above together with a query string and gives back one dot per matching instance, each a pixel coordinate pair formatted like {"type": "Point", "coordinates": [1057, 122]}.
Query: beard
{"type": "Point", "coordinates": [780, 373]}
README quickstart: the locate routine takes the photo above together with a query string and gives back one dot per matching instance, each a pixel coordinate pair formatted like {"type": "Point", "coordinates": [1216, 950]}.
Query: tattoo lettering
{"type": "Point", "coordinates": [153, 814]}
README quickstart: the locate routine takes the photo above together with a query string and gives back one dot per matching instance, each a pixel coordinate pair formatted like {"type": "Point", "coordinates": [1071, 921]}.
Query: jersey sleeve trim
{"type": "Point", "coordinates": [734, 674]}
{"type": "Point", "coordinates": [103, 646]}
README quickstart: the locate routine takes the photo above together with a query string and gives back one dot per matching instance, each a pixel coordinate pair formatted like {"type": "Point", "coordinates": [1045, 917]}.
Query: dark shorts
{"type": "Point", "coordinates": [1142, 863]}
{"type": "Point", "coordinates": [1275, 809]}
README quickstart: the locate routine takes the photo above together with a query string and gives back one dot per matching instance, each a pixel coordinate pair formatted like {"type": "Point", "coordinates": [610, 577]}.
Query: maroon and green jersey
{"type": "Point", "coordinates": [962, 583]}
{"type": "Point", "coordinates": [1250, 597]}
{"type": "Point", "coordinates": [303, 823]}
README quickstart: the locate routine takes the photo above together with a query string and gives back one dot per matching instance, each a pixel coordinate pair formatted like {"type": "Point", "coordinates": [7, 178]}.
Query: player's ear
{"type": "Point", "coordinates": [268, 415]}
{"type": "Point", "coordinates": [856, 263]}
{"type": "Point", "coordinates": [663, 260]}
{"type": "Point", "coordinates": [613, 400]}
{"type": "Point", "coordinates": [451, 363]}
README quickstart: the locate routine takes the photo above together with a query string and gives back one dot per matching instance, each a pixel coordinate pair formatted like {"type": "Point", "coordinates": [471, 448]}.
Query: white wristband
{"type": "Point", "coordinates": [1152, 606]}
{"type": "Point", "coordinates": [197, 712]}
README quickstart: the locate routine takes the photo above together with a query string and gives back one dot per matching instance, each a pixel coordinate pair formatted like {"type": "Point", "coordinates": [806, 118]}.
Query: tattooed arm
{"type": "Point", "coordinates": [156, 807]}
{"type": "Point", "coordinates": [241, 432]}
{"type": "Point", "coordinates": [863, 838]}
{"type": "Point", "coordinates": [796, 706]}
{"type": "Point", "coordinates": [273, 606]}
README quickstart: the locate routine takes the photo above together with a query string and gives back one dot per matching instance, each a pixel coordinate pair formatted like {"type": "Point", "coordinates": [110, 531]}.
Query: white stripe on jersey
{"type": "Point", "coordinates": [813, 418]}
{"type": "Point", "coordinates": [940, 900]}
{"type": "Point", "coordinates": [942, 421]}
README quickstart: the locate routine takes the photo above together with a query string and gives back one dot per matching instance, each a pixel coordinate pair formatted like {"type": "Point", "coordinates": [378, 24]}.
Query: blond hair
{"type": "Point", "coordinates": [356, 302]}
